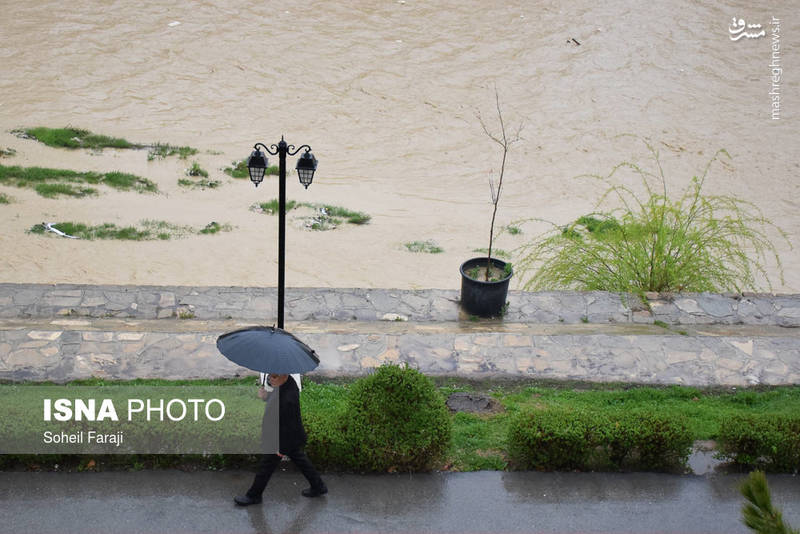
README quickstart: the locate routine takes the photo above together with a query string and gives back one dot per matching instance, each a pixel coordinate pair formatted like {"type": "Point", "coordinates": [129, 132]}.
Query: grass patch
{"type": "Point", "coordinates": [214, 227]}
{"type": "Point", "coordinates": [164, 150]}
{"type": "Point", "coordinates": [353, 217]}
{"type": "Point", "coordinates": [146, 230]}
{"type": "Point", "coordinates": [496, 253]}
{"type": "Point", "coordinates": [67, 190]}
{"type": "Point", "coordinates": [329, 217]}
{"type": "Point", "coordinates": [73, 138]}
{"type": "Point", "coordinates": [199, 184]}
{"type": "Point", "coordinates": [196, 170]}
{"type": "Point", "coordinates": [239, 170]}
{"type": "Point", "coordinates": [513, 230]}
{"type": "Point", "coordinates": [326, 217]}
{"type": "Point", "coordinates": [5, 199]}
{"type": "Point", "coordinates": [427, 247]}
{"type": "Point", "coordinates": [271, 207]}
{"type": "Point", "coordinates": [51, 183]}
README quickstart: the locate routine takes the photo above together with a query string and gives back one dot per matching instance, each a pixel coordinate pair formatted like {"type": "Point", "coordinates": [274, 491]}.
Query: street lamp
{"type": "Point", "coordinates": [257, 165]}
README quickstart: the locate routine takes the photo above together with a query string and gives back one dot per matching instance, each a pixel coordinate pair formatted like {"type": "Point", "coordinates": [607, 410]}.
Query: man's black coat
{"type": "Point", "coordinates": [291, 434]}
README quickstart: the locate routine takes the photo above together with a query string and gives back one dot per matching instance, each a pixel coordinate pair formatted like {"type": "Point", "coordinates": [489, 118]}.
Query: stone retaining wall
{"type": "Point", "coordinates": [429, 305]}
{"type": "Point", "coordinates": [61, 352]}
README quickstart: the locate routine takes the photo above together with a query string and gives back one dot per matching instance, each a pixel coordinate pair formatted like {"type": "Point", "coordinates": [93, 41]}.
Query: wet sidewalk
{"type": "Point", "coordinates": [485, 501]}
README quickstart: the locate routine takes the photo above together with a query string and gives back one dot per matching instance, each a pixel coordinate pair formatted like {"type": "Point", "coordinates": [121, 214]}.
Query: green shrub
{"type": "Point", "coordinates": [579, 439]}
{"type": "Point", "coordinates": [769, 441]}
{"type": "Point", "coordinates": [401, 418]}
{"type": "Point", "coordinates": [553, 439]}
{"type": "Point", "coordinates": [646, 441]}
{"type": "Point", "coordinates": [394, 420]}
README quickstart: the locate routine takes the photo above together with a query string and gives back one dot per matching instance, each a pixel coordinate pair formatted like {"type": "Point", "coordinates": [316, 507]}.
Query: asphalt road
{"type": "Point", "coordinates": [487, 501]}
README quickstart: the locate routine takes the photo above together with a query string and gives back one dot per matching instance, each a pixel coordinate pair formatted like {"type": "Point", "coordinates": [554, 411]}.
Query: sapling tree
{"type": "Point", "coordinates": [505, 140]}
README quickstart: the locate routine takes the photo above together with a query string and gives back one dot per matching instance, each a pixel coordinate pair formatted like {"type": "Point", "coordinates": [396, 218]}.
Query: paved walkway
{"type": "Point", "coordinates": [68, 332]}
{"type": "Point", "coordinates": [487, 501]}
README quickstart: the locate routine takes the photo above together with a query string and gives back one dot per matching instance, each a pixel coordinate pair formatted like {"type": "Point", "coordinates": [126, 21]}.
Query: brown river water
{"type": "Point", "coordinates": [387, 94]}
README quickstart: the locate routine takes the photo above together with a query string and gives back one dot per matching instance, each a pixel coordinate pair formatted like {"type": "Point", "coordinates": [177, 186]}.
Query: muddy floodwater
{"type": "Point", "coordinates": [387, 94]}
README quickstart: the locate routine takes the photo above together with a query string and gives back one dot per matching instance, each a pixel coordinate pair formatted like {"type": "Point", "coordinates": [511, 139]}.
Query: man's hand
{"type": "Point", "coordinates": [262, 393]}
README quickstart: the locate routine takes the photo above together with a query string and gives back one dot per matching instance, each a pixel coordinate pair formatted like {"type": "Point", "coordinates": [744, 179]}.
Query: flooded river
{"type": "Point", "coordinates": [387, 94]}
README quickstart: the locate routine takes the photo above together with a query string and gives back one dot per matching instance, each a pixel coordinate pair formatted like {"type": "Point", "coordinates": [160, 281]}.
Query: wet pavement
{"type": "Point", "coordinates": [486, 501]}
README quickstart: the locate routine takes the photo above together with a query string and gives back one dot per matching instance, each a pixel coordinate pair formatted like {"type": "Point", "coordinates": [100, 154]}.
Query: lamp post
{"type": "Point", "coordinates": [257, 166]}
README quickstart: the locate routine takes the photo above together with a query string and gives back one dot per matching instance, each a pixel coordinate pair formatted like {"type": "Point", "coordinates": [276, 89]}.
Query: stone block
{"type": "Point", "coordinates": [25, 358]}
{"type": "Point", "coordinates": [27, 297]}
{"type": "Point", "coordinates": [511, 340]}
{"type": "Point", "coordinates": [130, 336]}
{"type": "Point", "coordinates": [717, 306]}
{"type": "Point", "coordinates": [44, 335]}
{"type": "Point", "coordinates": [462, 343]}
{"type": "Point", "coordinates": [485, 341]}
{"type": "Point", "coordinates": [674, 357]}
{"type": "Point", "coordinates": [65, 293]}
{"type": "Point", "coordinates": [390, 355]}
{"type": "Point", "coordinates": [103, 337]}
{"type": "Point", "coordinates": [743, 346]}
{"type": "Point", "coordinates": [49, 352]}
{"type": "Point", "coordinates": [33, 344]}
{"type": "Point", "coordinates": [688, 305]}
{"type": "Point", "coordinates": [93, 302]}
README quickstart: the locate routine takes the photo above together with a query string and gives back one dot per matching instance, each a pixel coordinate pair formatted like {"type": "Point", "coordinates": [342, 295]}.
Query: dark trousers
{"type": "Point", "coordinates": [268, 464]}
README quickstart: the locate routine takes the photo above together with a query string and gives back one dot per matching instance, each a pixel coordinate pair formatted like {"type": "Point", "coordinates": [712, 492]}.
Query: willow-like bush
{"type": "Point", "coordinates": [655, 242]}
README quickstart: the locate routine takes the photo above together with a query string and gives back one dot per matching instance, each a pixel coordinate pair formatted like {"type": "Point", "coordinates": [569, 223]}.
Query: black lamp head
{"type": "Point", "coordinates": [257, 165]}
{"type": "Point", "coordinates": [306, 165]}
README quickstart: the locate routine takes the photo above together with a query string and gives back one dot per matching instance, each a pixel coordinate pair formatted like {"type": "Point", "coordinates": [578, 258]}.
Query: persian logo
{"type": "Point", "coordinates": [737, 30]}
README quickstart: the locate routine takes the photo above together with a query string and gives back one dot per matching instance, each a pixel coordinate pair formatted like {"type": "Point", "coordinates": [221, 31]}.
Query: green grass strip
{"type": "Point", "coordinates": [164, 150]}
{"type": "Point", "coordinates": [479, 441]}
{"type": "Point", "coordinates": [75, 138]}
{"type": "Point", "coordinates": [147, 230]}
{"type": "Point", "coordinates": [51, 183]}
{"type": "Point", "coordinates": [353, 217]}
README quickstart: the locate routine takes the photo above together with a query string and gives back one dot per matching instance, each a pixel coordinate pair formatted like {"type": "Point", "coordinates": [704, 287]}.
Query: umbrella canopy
{"type": "Point", "coordinates": [268, 349]}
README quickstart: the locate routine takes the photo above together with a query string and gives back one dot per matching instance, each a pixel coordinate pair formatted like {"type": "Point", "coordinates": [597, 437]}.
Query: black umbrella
{"type": "Point", "coordinates": [268, 349]}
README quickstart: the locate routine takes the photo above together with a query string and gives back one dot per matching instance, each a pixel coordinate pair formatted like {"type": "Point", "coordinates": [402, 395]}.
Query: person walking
{"type": "Point", "coordinates": [291, 440]}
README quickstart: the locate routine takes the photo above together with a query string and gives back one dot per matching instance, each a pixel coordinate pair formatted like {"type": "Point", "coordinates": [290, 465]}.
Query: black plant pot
{"type": "Point", "coordinates": [482, 298]}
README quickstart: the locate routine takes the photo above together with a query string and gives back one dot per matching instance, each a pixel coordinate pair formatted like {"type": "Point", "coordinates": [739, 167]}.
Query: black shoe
{"type": "Point", "coordinates": [246, 500]}
{"type": "Point", "coordinates": [315, 492]}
